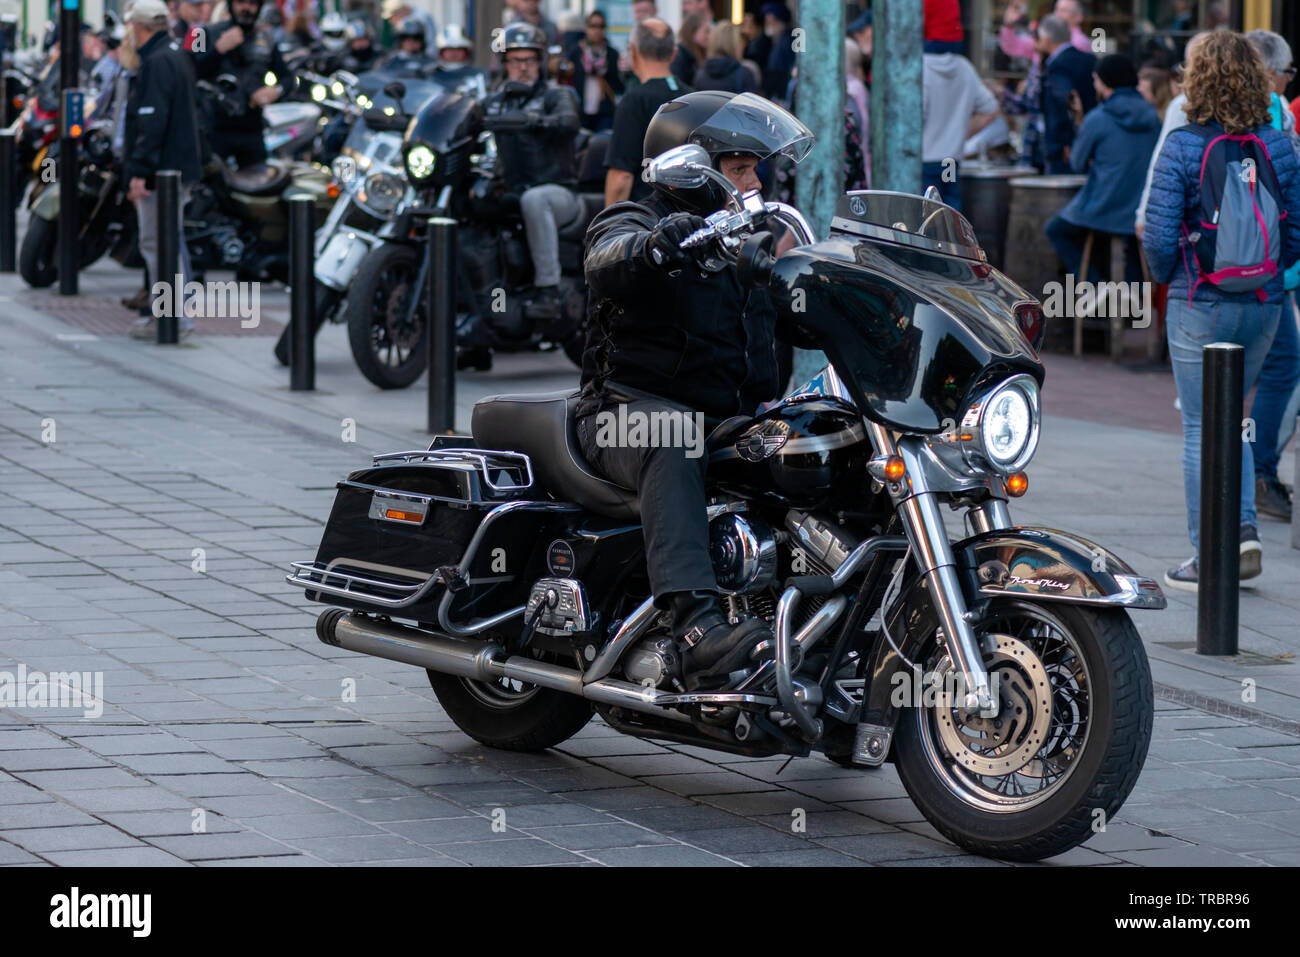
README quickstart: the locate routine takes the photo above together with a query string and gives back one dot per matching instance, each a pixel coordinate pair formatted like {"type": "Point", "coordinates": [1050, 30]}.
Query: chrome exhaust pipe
{"type": "Point", "coordinates": [483, 660]}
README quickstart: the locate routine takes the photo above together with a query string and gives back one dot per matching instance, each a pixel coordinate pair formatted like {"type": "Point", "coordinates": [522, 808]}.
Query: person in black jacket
{"type": "Point", "coordinates": [1067, 85]}
{"type": "Point", "coordinates": [161, 132]}
{"type": "Point", "coordinates": [535, 124]}
{"type": "Point", "coordinates": [673, 333]}
{"type": "Point", "coordinates": [239, 47]}
{"type": "Point", "coordinates": [596, 79]}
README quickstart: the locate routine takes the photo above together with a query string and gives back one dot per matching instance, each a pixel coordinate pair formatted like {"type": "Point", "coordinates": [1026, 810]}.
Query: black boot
{"type": "Point", "coordinates": [712, 647]}
{"type": "Point", "coordinates": [546, 305]}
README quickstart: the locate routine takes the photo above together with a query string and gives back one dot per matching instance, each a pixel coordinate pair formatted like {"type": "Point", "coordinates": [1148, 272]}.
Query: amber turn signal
{"type": "Point", "coordinates": [1017, 484]}
{"type": "Point", "coordinates": [894, 468]}
{"type": "Point", "coordinates": [332, 190]}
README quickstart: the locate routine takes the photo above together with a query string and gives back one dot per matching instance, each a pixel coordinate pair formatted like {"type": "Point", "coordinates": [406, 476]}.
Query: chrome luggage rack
{"type": "Point", "coordinates": [317, 577]}
{"type": "Point", "coordinates": [515, 467]}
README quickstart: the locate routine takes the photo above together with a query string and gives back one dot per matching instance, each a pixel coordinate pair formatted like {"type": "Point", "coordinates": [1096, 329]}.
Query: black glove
{"type": "Point", "coordinates": [664, 246]}
{"type": "Point", "coordinates": [507, 121]}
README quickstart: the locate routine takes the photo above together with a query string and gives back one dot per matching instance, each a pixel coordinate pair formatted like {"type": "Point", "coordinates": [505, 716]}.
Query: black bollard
{"type": "Point", "coordinates": [167, 190]}
{"type": "Point", "coordinates": [302, 294]}
{"type": "Point", "coordinates": [71, 103]}
{"type": "Point", "coordinates": [1219, 551]}
{"type": "Point", "coordinates": [8, 235]}
{"type": "Point", "coordinates": [440, 287]}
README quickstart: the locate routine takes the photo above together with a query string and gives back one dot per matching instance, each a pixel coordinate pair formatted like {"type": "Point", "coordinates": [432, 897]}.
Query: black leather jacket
{"type": "Point", "coordinates": [248, 63]}
{"type": "Point", "coordinates": [535, 129]}
{"type": "Point", "coordinates": [696, 337]}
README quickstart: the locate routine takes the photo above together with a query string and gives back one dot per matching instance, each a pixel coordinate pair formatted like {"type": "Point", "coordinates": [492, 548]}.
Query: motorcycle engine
{"type": "Point", "coordinates": [230, 244]}
{"type": "Point", "coordinates": [743, 550]}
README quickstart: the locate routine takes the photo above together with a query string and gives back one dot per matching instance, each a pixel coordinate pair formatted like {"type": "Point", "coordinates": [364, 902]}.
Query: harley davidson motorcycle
{"type": "Point", "coordinates": [450, 162]}
{"type": "Point", "coordinates": [996, 666]}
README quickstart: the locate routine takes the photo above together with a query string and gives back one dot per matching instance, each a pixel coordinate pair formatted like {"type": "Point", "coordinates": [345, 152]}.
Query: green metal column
{"type": "Point", "coordinates": [819, 42]}
{"type": "Point", "coordinates": [896, 95]}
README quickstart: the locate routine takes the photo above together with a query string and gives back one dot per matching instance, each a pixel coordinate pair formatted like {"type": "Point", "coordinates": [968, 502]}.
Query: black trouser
{"type": "Point", "coordinates": [670, 485]}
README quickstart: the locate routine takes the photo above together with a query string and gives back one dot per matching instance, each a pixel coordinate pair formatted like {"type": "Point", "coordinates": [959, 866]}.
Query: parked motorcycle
{"type": "Point", "coordinates": [105, 219]}
{"type": "Point", "coordinates": [450, 161]}
{"type": "Point", "coordinates": [506, 566]}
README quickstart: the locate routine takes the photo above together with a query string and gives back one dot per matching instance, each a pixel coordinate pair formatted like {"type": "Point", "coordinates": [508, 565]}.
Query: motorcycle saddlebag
{"type": "Point", "coordinates": [397, 522]}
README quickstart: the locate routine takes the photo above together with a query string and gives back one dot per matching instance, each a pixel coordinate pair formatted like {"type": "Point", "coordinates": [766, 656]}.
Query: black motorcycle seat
{"type": "Point", "coordinates": [589, 204]}
{"type": "Point", "coordinates": [540, 424]}
{"type": "Point", "coordinates": [261, 179]}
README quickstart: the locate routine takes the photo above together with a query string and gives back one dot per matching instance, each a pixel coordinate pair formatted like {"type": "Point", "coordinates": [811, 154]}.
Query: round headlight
{"type": "Point", "coordinates": [338, 88]}
{"type": "Point", "coordinates": [318, 92]}
{"type": "Point", "coordinates": [1008, 424]}
{"type": "Point", "coordinates": [381, 193]}
{"type": "Point", "coordinates": [420, 162]}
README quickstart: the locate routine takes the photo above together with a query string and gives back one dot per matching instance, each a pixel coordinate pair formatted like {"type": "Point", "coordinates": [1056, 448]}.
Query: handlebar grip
{"type": "Point", "coordinates": [698, 238]}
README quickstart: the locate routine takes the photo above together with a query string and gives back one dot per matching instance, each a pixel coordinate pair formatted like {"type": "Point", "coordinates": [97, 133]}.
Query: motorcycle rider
{"type": "Point", "coordinates": [455, 68]}
{"type": "Point", "coordinates": [411, 52]}
{"type": "Point", "coordinates": [327, 55]}
{"type": "Point", "coordinates": [361, 55]}
{"type": "Point", "coordinates": [536, 123]}
{"type": "Point", "coordinates": [241, 48]}
{"type": "Point", "coordinates": [673, 330]}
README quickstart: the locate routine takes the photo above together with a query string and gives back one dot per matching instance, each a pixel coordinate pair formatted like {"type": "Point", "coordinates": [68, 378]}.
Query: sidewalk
{"type": "Point", "coordinates": [220, 698]}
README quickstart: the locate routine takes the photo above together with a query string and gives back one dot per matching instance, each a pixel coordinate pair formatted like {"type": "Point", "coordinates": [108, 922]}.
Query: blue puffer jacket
{"type": "Point", "coordinates": [1175, 199]}
{"type": "Point", "coordinates": [1113, 146]}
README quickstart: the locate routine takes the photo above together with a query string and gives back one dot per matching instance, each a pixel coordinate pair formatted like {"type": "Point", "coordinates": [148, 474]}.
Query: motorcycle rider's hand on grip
{"type": "Point", "coordinates": [664, 247]}
{"type": "Point", "coordinates": [508, 121]}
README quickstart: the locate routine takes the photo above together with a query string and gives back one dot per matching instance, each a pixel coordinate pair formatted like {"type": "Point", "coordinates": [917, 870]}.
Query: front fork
{"type": "Point", "coordinates": [918, 507]}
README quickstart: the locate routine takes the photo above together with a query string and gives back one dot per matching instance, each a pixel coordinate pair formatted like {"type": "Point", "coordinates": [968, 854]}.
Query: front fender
{"type": "Point", "coordinates": [47, 205]}
{"type": "Point", "coordinates": [1050, 565]}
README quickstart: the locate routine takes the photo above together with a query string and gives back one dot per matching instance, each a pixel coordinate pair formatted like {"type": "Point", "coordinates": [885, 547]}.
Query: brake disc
{"type": "Point", "coordinates": [1004, 743]}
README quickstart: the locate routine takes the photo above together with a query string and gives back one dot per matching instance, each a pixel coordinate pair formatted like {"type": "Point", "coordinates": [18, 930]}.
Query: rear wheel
{"type": "Point", "coordinates": [510, 714]}
{"type": "Point", "coordinates": [38, 258]}
{"type": "Point", "coordinates": [1065, 749]}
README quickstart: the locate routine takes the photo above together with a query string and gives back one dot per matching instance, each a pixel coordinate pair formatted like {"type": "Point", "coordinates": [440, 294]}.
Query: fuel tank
{"type": "Point", "coordinates": [806, 452]}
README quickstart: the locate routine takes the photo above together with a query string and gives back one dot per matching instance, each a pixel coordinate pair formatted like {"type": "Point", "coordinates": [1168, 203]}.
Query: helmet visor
{"type": "Point", "coordinates": [749, 123]}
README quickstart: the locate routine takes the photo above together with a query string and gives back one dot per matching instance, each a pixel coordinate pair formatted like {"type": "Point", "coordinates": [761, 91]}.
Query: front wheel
{"type": "Point", "coordinates": [389, 349]}
{"type": "Point", "coordinates": [510, 714]}
{"type": "Point", "coordinates": [38, 258]}
{"type": "Point", "coordinates": [1075, 700]}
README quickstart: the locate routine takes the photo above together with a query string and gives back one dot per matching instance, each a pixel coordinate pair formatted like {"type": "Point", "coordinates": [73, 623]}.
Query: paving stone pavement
{"type": "Point", "coordinates": [145, 540]}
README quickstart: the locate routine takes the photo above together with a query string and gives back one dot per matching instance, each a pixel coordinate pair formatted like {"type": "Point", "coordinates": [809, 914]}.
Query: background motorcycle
{"type": "Point", "coordinates": [999, 670]}
{"type": "Point", "coordinates": [450, 160]}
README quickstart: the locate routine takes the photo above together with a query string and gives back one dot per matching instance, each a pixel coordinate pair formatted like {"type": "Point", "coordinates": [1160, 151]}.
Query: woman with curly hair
{"type": "Point", "coordinates": [1228, 92]}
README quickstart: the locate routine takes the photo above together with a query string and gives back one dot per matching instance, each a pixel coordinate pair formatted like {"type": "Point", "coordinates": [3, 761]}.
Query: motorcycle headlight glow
{"type": "Point", "coordinates": [338, 88]}
{"type": "Point", "coordinates": [1005, 426]}
{"type": "Point", "coordinates": [318, 92]}
{"type": "Point", "coordinates": [270, 79]}
{"type": "Point", "coordinates": [381, 193]}
{"type": "Point", "coordinates": [997, 433]}
{"type": "Point", "coordinates": [420, 162]}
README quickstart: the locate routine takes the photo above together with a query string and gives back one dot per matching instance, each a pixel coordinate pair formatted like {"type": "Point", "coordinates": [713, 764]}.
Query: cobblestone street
{"type": "Point", "coordinates": [151, 501]}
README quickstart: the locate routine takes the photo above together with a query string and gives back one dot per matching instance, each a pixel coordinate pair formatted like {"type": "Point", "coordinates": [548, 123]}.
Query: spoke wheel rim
{"type": "Point", "coordinates": [1064, 740]}
{"type": "Point", "coordinates": [393, 341]}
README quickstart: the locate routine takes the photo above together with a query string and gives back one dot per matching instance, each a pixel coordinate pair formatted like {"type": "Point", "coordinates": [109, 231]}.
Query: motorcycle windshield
{"type": "Point", "coordinates": [749, 123]}
{"type": "Point", "coordinates": [444, 121]}
{"type": "Point", "coordinates": [906, 220]}
{"type": "Point", "coordinates": [914, 334]}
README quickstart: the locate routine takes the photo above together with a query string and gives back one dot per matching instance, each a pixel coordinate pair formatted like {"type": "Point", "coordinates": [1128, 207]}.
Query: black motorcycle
{"type": "Point", "coordinates": [999, 670]}
{"type": "Point", "coordinates": [106, 220]}
{"type": "Point", "coordinates": [450, 163]}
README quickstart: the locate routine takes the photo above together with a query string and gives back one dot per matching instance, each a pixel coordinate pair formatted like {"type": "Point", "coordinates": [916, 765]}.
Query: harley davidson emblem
{"type": "Point", "coordinates": [762, 442]}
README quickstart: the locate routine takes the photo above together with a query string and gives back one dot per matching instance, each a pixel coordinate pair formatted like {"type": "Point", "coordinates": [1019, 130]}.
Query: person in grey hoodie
{"type": "Point", "coordinates": [1113, 146]}
{"type": "Point", "coordinates": [955, 105]}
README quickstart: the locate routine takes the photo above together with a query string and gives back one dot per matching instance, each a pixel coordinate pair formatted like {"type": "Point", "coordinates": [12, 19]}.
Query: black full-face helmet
{"type": "Point", "coordinates": [521, 35]}
{"type": "Point", "coordinates": [412, 29]}
{"type": "Point", "coordinates": [723, 124]}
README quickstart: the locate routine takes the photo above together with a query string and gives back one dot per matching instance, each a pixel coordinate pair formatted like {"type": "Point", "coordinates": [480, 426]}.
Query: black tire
{"type": "Point", "coordinates": [1099, 779]}
{"type": "Point", "coordinates": [388, 355]}
{"type": "Point", "coordinates": [534, 723]}
{"type": "Point", "coordinates": [38, 257]}
{"type": "Point", "coordinates": [327, 300]}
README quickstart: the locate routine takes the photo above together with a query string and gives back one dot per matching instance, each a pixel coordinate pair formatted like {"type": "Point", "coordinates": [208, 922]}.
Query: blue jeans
{"type": "Point", "coordinates": [1278, 395]}
{"type": "Point", "coordinates": [932, 175]}
{"type": "Point", "coordinates": [1190, 329]}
